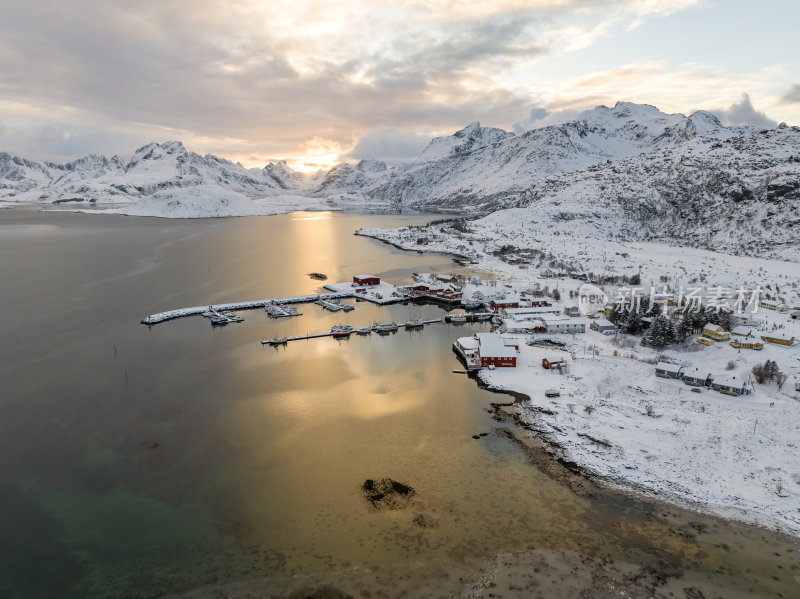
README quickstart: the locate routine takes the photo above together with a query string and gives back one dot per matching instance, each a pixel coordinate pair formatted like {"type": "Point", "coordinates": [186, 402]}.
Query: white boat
{"type": "Point", "coordinates": [386, 327]}
{"type": "Point", "coordinates": [232, 316]}
{"type": "Point", "coordinates": [415, 324]}
{"type": "Point", "coordinates": [219, 320]}
{"type": "Point", "coordinates": [458, 318]}
{"type": "Point", "coordinates": [364, 330]}
{"type": "Point", "coordinates": [276, 341]}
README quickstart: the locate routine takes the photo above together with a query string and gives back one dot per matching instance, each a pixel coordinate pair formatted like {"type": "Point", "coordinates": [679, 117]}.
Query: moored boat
{"type": "Point", "coordinates": [415, 324]}
{"type": "Point", "coordinates": [458, 318]}
{"type": "Point", "coordinates": [384, 328]}
{"type": "Point", "coordinates": [364, 330]}
{"type": "Point", "coordinates": [276, 341]}
{"type": "Point", "coordinates": [341, 331]}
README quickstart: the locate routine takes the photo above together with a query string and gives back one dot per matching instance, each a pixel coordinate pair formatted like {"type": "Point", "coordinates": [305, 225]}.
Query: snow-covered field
{"type": "Point", "coordinates": [734, 456]}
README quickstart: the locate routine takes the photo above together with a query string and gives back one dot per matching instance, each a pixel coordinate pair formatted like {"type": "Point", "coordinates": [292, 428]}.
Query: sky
{"type": "Point", "coordinates": [317, 83]}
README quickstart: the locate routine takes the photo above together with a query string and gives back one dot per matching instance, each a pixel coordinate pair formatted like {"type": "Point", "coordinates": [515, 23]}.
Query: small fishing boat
{"type": "Point", "coordinates": [415, 324]}
{"type": "Point", "coordinates": [219, 320]}
{"type": "Point", "coordinates": [364, 330]}
{"type": "Point", "coordinates": [458, 318]}
{"type": "Point", "coordinates": [276, 341]}
{"type": "Point", "coordinates": [341, 331]}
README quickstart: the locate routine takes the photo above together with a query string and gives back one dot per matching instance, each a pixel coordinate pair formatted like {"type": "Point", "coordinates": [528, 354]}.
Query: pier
{"type": "Point", "coordinates": [251, 305]}
{"type": "Point", "coordinates": [299, 338]}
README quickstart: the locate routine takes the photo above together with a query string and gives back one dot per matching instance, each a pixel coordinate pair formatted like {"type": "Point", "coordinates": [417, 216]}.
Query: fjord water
{"type": "Point", "coordinates": [138, 461]}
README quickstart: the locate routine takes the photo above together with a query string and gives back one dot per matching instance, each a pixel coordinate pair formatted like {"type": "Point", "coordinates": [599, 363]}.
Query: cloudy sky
{"type": "Point", "coordinates": [317, 82]}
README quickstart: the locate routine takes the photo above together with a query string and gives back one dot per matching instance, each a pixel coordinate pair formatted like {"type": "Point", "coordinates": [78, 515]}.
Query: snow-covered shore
{"type": "Point", "coordinates": [736, 457]}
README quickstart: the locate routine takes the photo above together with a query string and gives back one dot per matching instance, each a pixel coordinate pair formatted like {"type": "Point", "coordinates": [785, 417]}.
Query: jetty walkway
{"type": "Point", "coordinates": [252, 305]}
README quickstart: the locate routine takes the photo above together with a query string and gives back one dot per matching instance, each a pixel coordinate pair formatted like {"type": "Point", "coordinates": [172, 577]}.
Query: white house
{"type": "Point", "coordinates": [669, 371]}
{"type": "Point", "coordinates": [528, 312]}
{"type": "Point", "coordinates": [729, 385]}
{"type": "Point", "coordinates": [697, 377]}
{"type": "Point", "coordinates": [744, 319]}
{"type": "Point", "coordinates": [562, 324]}
{"type": "Point", "coordinates": [602, 325]}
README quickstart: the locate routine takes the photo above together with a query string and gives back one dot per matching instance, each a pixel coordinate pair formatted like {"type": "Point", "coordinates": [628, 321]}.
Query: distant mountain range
{"type": "Point", "coordinates": [631, 169]}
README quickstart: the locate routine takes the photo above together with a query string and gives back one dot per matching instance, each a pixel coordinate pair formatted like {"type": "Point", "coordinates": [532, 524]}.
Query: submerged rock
{"type": "Point", "coordinates": [387, 493]}
{"type": "Point", "coordinates": [318, 276]}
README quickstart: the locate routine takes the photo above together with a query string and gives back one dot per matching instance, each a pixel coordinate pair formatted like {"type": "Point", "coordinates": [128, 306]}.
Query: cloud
{"type": "Point", "coordinates": [535, 115]}
{"type": "Point", "coordinates": [792, 96]}
{"type": "Point", "coordinates": [743, 113]}
{"type": "Point", "coordinates": [261, 79]}
{"type": "Point", "coordinates": [392, 145]}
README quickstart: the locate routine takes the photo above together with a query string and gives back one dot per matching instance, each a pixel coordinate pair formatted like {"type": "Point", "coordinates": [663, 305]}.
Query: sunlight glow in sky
{"type": "Point", "coordinates": [319, 82]}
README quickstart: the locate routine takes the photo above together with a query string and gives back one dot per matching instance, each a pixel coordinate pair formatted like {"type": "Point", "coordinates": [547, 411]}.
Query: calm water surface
{"type": "Point", "coordinates": [144, 461]}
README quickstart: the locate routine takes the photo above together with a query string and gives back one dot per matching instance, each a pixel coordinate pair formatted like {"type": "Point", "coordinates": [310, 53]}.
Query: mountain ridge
{"type": "Point", "coordinates": [629, 162]}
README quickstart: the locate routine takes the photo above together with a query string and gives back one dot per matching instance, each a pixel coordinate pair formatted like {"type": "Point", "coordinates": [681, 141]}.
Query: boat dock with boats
{"type": "Point", "coordinates": [251, 305]}
{"type": "Point", "coordinates": [281, 310]}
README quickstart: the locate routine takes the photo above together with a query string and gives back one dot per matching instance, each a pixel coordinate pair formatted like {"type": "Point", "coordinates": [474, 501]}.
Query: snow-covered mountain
{"type": "Point", "coordinates": [630, 170]}
{"type": "Point", "coordinates": [152, 168]}
{"type": "Point", "coordinates": [470, 138]}
{"type": "Point", "coordinates": [486, 175]}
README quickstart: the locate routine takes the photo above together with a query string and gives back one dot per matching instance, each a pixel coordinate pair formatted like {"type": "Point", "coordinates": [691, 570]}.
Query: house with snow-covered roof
{"type": "Point", "coordinates": [778, 338]}
{"type": "Point", "coordinates": [487, 349]}
{"type": "Point", "coordinates": [730, 385]}
{"type": "Point", "coordinates": [697, 377]}
{"type": "Point", "coordinates": [742, 331]}
{"type": "Point", "coordinates": [714, 331]}
{"type": "Point", "coordinates": [669, 371]}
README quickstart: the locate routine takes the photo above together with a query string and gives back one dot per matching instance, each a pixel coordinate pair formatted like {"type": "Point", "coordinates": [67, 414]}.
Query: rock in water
{"type": "Point", "coordinates": [387, 494]}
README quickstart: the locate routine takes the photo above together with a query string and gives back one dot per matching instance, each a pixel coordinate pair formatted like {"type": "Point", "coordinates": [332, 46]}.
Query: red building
{"type": "Point", "coordinates": [366, 280]}
{"type": "Point", "coordinates": [488, 349]}
{"type": "Point", "coordinates": [496, 305]}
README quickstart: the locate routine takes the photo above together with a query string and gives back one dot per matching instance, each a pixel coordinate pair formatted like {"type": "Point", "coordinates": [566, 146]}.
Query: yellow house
{"type": "Point", "coordinates": [714, 331]}
{"type": "Point", "coordinates": [778, 339]}
{"type": "Point", "coordinates": [746, 344]}
{"type": "Point", "coordinates": [705, 341]}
